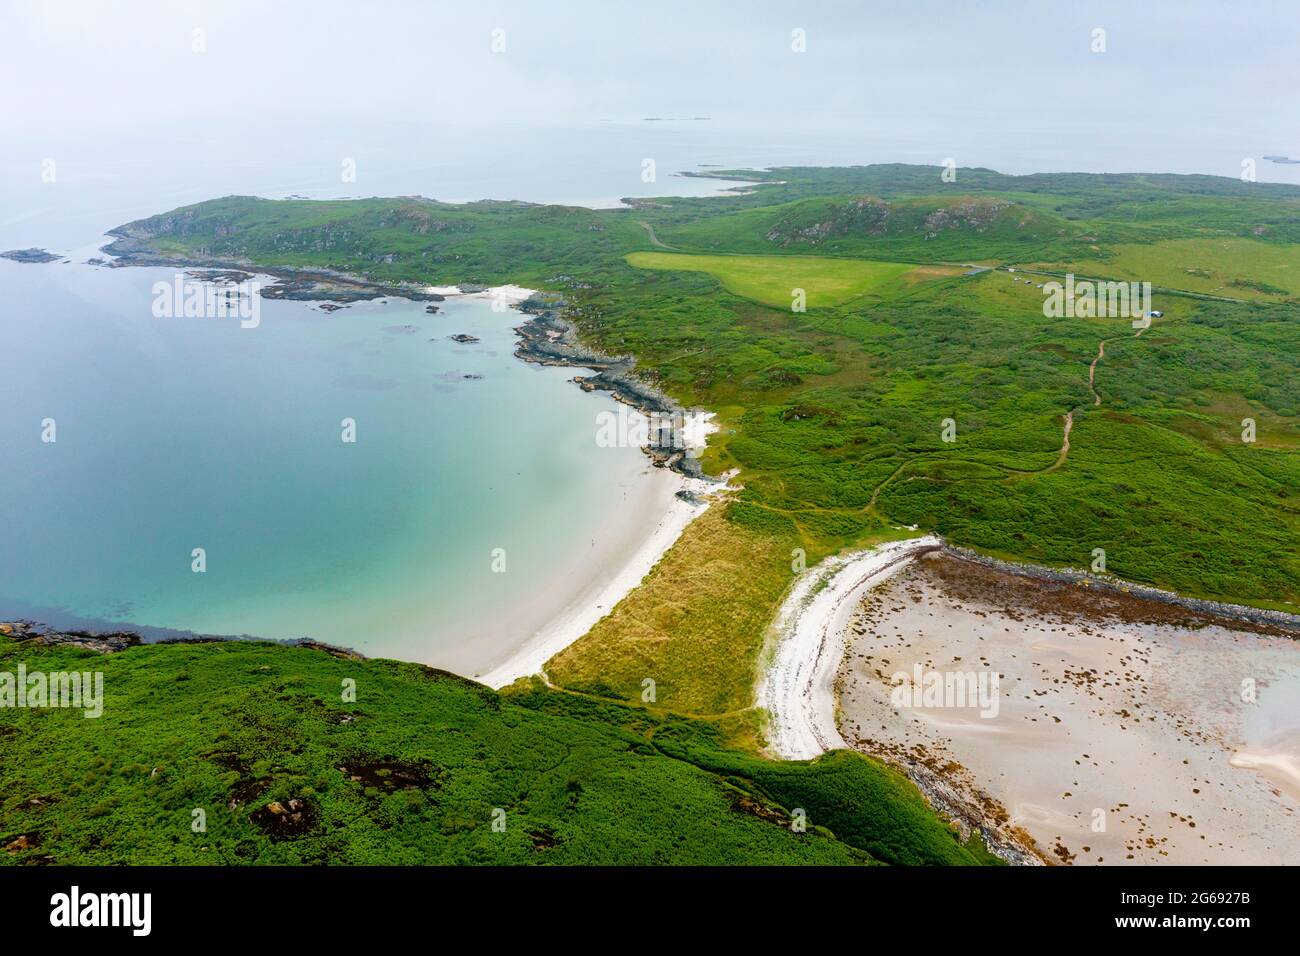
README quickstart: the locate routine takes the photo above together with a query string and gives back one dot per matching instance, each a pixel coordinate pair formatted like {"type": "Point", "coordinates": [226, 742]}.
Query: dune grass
{"type": "Point", "coordinates": [695, 626]}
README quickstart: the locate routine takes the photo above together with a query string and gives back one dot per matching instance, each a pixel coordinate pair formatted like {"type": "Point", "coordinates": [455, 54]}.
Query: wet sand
{"type": "Point", "coordinates": [1121, 735]}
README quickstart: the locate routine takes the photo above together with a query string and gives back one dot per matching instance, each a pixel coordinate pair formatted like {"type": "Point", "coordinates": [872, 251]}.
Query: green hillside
{"type": "Point", "coordinates": [259, 738]}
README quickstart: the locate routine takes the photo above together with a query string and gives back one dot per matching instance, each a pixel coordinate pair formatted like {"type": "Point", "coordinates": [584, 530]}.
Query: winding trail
{"type": "Point", "coordinates": [1101, 354]}
{"type": "Point", "coordinates": [1092, 372]}
{"type": "Point", "coordinates": [655, 240]}
{"type": "Point", "coordinates": [871, 505]}
{"type": "Point", "coordinates": [1068, 421]}
{"type": "Point", "coordinates": [1065, 443]}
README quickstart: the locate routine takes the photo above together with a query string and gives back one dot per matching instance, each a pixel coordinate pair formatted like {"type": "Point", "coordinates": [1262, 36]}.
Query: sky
{"type": "Point", "coordinates": [135, 62]}
{"type": "Point", "coordinates": [977, 75]}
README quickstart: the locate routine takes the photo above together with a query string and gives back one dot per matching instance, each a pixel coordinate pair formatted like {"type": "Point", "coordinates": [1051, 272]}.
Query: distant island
{"type": "Point", "coordinates": [29, 255]}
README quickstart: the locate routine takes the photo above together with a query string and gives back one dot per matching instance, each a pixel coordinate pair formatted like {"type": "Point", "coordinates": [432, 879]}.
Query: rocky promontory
{"type": "Point", "coordinates": [134, 247]}
{"type": "Point", "coordinates": [548, 338]}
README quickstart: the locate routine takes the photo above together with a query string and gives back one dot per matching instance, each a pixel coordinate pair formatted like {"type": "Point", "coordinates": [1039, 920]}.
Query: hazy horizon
{"type": "Point", "coordinates": [1006, 85]}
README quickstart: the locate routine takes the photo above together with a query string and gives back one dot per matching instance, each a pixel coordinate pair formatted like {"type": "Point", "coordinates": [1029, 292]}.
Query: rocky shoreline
{"type": "Point", "coordinates": [1197, 611]}
{"type": "Point", "coordinates": [116, 641]}
{"type": "Point", "coordinates": [298, 285]}
{"type": "Point", "coordinates": [548, 338]}
{"type": "Point", "coordinates": [968, 812]}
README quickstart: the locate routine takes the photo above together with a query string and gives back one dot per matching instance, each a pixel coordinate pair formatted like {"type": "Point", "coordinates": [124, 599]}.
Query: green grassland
{"type": "Point", "coordinates": [834, 416]}
{"type": "Point", "coordinates": [411, 772]}
{"type": "Point", "coordinates": [772, 280]}
{"type": "Point", "coordinates": [1229, 267]}
{"type": "Point", "coordinates": [921, 230]}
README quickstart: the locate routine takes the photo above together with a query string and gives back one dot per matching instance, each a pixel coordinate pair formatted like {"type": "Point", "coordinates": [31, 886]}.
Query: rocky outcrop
{"type": "Point", "coordinates": [100, 643]}
{"type": "Point", "coordinates": [29, 255]}
{"type": "Point", "coordinates": [815, 221]}
{"type": "Point", "coordinates": [134, 246]}
{"type": "Point", "coordinates": [112, 642]}
{"type": "Point", "coordinates": [548, 338]}
{"type": "Point", "coordinates": [864, 216]}
{"type": "Point", "coordinates": [974, 214]}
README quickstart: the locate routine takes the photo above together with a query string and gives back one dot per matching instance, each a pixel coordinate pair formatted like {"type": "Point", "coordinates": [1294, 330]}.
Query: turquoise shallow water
{"type": "Point", "coordinates": [175, 434]}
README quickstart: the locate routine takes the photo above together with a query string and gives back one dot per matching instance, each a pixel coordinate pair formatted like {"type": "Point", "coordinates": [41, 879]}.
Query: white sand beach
{"type": "Point", "coordinates": [599, 586]}
{"type": "Point", "coordinates": [807, 645]}
{"type": "Point", "coordinates": [586, 585]}
{"type": "Point", "coordinates": [637, 539]}
{"type": "Point", "coordinates": [510, 294]}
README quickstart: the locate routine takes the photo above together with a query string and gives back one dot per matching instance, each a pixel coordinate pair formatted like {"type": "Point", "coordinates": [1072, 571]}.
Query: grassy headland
{"type": "Point", "coordinates": [260, 739]}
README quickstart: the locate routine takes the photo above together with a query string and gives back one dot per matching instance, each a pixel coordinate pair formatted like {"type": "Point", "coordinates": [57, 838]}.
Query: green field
{"type": "Point", "coordinates": [773, 280]}
{"type": "Point", "coordinates": [1230, 267]}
